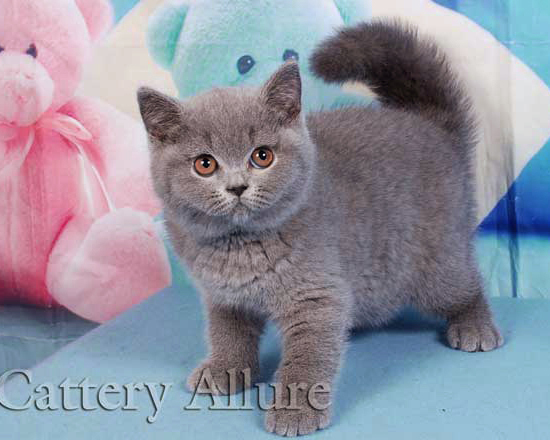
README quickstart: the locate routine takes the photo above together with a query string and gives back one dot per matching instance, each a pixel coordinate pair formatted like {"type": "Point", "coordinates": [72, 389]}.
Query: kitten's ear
{"type": "Point", "coordinates": [282, 93]}
{"type": "Point", "coordinates": [162, 115]}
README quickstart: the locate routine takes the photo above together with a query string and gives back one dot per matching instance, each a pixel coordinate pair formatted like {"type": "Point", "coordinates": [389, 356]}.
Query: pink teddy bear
{"type": "Point", "coordinates": [76, 203]}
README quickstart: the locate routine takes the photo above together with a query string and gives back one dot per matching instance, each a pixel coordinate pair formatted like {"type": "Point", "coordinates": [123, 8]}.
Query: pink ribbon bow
{"type": "Point", "coordinates": [16, 143]}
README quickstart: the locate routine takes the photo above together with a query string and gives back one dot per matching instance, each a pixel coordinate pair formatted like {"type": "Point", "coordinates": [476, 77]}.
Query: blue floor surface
{"type": "Point", "coordinates": [401, 382]}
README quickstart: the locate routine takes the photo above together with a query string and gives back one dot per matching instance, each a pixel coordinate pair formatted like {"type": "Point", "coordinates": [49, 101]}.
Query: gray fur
{"type": "Point", "coordinates": [363, 212]}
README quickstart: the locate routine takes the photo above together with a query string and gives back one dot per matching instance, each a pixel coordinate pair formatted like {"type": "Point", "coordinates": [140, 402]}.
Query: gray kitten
{"type": "Point", "coordinates": [328, 222]}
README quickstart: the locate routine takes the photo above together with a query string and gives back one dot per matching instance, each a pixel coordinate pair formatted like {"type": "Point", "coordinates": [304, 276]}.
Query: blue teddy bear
{"type": "Point", "coordinates": [211, 43]}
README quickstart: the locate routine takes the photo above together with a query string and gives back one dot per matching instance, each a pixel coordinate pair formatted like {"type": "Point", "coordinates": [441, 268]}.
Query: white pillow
{"type": "Point", "coordinates": [511, 101]}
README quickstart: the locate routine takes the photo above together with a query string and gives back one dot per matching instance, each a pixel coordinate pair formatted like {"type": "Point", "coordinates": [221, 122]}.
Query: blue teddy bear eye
{"type": "Point", "coordinates": [291, 55]}
{"type": "Point", "coordinates": [245, 63]}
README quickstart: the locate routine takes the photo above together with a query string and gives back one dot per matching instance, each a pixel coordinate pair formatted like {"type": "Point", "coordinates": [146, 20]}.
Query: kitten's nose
{"type": "Point", "coordinates": [237, 190]}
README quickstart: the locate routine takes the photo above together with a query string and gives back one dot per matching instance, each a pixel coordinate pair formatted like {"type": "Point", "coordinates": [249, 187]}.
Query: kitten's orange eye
{"type": "Point", "coordinates": [262, 158]}
{"type": "Point", "coordinates": [205, 165]}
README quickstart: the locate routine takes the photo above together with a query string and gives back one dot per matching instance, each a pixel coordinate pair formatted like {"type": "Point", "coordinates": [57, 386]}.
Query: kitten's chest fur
{"type": "Point", "coordinates": [236, 269]}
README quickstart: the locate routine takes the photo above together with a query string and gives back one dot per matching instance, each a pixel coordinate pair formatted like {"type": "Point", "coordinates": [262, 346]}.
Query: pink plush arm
{"type": "Point", "coordinates": [101, 269]}
{"type": "Point", "coordinates": [3, 154]}
{"type": "Point", "coordinates": [118, 149]}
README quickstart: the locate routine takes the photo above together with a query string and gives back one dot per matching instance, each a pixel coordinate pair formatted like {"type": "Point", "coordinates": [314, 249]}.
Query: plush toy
{"type": "Point", "coordinates": [208, 43]}
{"type": "Point", "coordinates": [76, 204]}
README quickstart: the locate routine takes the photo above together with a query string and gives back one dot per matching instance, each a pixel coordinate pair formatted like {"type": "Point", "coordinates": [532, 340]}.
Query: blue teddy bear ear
{"type": "Point", "coordinates": [164, 29]}
{"type": "Point", "coordinates": [354, 11]}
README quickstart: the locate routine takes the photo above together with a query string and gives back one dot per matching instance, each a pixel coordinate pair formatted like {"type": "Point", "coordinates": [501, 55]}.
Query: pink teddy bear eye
{"type": "Point", "coordinates": [32, 51]}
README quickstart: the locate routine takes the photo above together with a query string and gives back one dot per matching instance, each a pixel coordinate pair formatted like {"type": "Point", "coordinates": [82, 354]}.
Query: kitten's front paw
{"type": "Point", "coordinates": [298, 411]}
{"type": "Point", "coordinates": [293, 422]}
{"type": "Point", "coordinates": [474, 336]}
{"type": "Point", "coordinates": [219, 373]}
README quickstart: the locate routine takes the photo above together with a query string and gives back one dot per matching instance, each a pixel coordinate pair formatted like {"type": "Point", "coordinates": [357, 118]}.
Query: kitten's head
{"type": "Point", "coordinates": [231, 159]}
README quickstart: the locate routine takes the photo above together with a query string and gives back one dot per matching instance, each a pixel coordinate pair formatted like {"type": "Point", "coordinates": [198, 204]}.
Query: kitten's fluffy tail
{"type": "Point", "coordinates": [402, 69]}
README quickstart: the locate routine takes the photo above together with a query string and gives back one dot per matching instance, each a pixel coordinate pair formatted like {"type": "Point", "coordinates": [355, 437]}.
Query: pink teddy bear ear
{"type": "Point", "coordinates": [98, 15]}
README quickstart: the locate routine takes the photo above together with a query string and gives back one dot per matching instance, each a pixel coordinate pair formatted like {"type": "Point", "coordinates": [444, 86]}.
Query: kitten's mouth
{"type": "Point", "coordinates": [240, 208]}
{"type": "Point", "coordinates": [240, 213]}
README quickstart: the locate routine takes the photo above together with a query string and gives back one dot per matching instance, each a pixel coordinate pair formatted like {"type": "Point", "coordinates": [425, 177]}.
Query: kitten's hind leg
{"type": "Point", "coordinates": [470, 325]}
{"type": "Point", "coordinates": [473, 329]}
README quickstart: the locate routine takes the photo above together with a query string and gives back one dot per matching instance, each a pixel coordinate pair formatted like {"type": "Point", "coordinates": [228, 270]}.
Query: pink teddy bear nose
{"type": "Point", "coordinates": [27, 89]}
